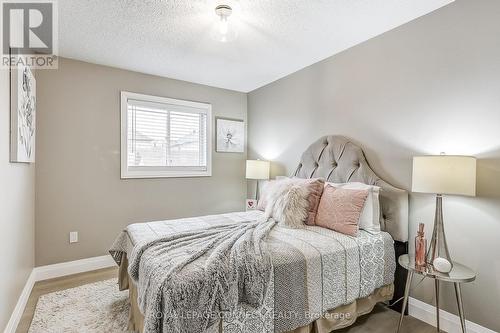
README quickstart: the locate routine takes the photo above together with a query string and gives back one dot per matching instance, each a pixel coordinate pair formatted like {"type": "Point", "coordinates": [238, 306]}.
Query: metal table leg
{"type": "Point", "coordinates": [458, 293]}
{"type": "Point", "coordinates": [436, 284]}
{"type": "Point", "coordinates": [405, 300]}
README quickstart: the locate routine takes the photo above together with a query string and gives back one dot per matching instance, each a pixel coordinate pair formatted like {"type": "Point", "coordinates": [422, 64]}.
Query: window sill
{"type": "Point", "coordinates": [164, 174]}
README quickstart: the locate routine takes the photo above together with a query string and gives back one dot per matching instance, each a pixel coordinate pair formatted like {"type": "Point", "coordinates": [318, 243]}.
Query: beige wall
{"type": "Point", "coordinates": [17, 207]}
{"type": "Point", "coordinates": [78, 185]}
{"type": "Point", "coordinates": [429, 86]}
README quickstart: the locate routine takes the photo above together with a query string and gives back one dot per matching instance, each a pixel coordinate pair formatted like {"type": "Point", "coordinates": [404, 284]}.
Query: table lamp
{"type": "Point", "coordinates": [443, 174]}
{"type": "Point", "coordinates": [257, 170]}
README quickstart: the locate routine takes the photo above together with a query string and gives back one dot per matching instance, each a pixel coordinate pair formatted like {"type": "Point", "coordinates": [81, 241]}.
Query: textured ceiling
{"type": "Point", "coordinates": [172, 38]}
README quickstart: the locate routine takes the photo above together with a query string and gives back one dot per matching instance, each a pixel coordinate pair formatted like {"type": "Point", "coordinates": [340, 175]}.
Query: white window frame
{"type": "Point", "coordinates": [162, 172]}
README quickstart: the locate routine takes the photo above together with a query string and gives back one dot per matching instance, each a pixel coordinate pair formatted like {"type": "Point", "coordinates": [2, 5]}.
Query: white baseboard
{"type": "Point", "coordinates": [448, 321]}
{"type": "Point", "coordinates": [50, 272]}
{"type": "Point", "coordinates": [21, 304]}
{"type": "Point", "coordinates": [73, 267]}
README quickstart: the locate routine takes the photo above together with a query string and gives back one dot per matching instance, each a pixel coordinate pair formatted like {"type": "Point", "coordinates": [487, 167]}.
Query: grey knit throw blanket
{"type": "Point", "coordinates": [189, 279]}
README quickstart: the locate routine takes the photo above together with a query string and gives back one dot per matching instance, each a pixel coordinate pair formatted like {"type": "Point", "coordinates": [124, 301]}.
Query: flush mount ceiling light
{"type": "Point", "coordinates": [225, 31]}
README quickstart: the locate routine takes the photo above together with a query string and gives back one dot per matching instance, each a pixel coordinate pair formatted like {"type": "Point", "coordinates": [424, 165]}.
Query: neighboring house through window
{"type": "Point", "coordinates": [164, 137]}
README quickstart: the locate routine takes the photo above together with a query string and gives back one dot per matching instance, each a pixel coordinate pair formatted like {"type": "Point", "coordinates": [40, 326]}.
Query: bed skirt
{"type": "Point", "coordinates": [335, 319]}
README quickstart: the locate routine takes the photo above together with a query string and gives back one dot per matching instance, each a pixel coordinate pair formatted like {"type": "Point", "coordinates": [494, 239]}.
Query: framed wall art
{"type": "Point", "coordinates": [230, 135]}
{"type": "Point", "coordinates": [22, 114]}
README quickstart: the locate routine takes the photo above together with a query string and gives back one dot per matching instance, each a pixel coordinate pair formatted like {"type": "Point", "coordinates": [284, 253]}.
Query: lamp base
{"type": "Point", "coordinates": [257, 192]}
{"type": "Point", "coordinates": [438, 255]}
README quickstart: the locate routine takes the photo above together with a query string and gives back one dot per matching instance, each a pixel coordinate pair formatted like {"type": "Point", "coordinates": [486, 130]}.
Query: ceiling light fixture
{"type": "Point", "coordinates": [225, 32]}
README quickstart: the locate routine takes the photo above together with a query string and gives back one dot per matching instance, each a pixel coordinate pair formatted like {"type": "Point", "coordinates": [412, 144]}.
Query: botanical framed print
{"type": "Point", "coordinates": [22, 114]}
{"type": "Point", "coordinates": [230, 135]}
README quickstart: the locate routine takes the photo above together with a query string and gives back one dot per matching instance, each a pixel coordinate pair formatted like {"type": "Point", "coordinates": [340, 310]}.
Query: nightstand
{"type": "Point", "coordinates": [458, 275]}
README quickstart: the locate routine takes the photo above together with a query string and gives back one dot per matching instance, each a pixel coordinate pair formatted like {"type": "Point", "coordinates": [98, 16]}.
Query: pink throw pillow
{"type": "Point", "coordinates": [316, 187]}
{"type": "Point", "coordinates": [339, 209]}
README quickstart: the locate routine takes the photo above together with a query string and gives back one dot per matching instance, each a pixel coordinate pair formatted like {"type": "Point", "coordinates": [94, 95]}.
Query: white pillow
{"type": "Point", "coordinates": [370, 215]}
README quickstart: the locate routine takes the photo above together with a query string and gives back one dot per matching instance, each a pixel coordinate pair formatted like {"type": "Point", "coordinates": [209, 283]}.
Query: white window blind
{"type": "Point", "coordinates": [165, 137]}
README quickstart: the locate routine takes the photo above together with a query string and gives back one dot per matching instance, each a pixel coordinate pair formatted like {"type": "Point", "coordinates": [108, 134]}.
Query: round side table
{"type": "Point", "coordinates": [458, 275]}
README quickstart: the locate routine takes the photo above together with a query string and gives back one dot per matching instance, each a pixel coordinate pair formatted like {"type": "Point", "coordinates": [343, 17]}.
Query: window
{"type": "Point", "coordinates": [164, 137]}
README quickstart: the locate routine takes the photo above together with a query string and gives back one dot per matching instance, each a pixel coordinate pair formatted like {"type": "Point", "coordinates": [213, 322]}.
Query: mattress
{"type": "Point", "coordinates": [315, 269]}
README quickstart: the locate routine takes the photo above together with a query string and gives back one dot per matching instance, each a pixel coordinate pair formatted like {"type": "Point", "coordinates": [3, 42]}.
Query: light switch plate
{"type": "Point", "coordinates": [73, 237]}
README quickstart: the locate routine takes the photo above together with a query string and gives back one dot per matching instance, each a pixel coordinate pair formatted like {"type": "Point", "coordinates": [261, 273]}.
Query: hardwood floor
{"type": "Point", "coordinates": [66, 282]}
{"type": "Point", "coordinates": [384, 320]}
{"type": "Point", "coordinates": [381, 320]}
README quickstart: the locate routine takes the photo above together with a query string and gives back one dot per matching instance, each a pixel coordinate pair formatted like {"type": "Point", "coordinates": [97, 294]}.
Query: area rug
{"type": "Point", "coordinates": [96, 307]}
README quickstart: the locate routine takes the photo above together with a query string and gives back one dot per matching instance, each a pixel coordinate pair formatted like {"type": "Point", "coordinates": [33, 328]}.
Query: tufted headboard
{"type": "Point", "coordinates": [338, 160]}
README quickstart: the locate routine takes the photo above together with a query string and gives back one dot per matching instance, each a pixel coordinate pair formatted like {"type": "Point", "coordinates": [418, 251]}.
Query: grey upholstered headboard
{"type": "Point", "coordinates": [338, 160]}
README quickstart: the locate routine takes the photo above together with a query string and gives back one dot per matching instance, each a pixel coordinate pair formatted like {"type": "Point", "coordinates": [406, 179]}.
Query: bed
{"type": "Point", "coordinates": [319, 281]}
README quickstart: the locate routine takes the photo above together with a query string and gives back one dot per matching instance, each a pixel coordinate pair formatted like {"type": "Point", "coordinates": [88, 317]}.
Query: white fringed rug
{"type": "Point", "coordinates": [97, 307]}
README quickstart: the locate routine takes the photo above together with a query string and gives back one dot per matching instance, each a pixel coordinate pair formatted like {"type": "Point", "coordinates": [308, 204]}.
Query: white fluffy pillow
{"type": "Point", "coordinates": [370, 215]}
{"type": "Point", "coordinates": [288, 202]}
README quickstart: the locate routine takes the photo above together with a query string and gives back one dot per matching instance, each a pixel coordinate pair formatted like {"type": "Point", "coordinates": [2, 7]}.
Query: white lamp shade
{"type": "Point", "coordinates": [444, 174]}
{"type": "Point", "coordinates": [257, 169]}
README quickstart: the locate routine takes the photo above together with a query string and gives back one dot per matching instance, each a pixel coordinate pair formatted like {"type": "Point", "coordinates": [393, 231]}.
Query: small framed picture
{"type": "Point", "coordinates": [251, 204]}
{"type": "Point", "coordinates": [230, 135]}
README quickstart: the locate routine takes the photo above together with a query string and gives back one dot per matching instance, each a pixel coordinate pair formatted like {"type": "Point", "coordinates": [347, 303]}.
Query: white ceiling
{"type": "Point", "coordinates": [172, 38]}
